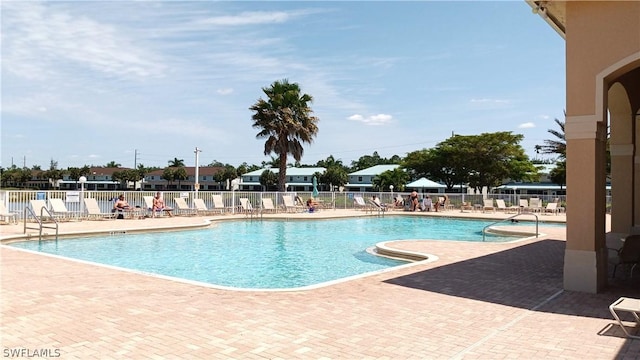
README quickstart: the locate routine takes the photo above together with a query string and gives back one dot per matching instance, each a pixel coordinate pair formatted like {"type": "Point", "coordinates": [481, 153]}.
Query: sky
{"type": "Point", "coordinates": [144, 82]}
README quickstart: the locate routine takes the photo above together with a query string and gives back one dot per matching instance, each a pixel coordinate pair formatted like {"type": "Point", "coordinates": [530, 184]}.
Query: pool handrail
{"type": "Point", "coordinates": [484, 230]}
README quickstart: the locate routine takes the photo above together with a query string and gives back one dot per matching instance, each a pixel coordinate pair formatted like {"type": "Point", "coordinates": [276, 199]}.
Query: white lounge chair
{"type": "Point", "coordinates": [267, 205]}
{"type": "Point", "coordinates": [524, 205]}
{"type": "Point", "coordinates": [94, 211]}
{"type": "Point", "coordinates": [6, 215]}
{"type": "Point", "coordinates": [359, 203]}
{"type": "Point", "coordinates": [218, 203]}
{"type": "Point", "coordinates": [182, 208]}
{"type": "Point", "coordinates": [202, 208]}
{"type": "Point", "coordinates": [59, 209]}
{"type": "Point", "coordinates": [41, 210]}
{"type": "Point", "coordinates": [551, 208]}
{"type": "Point", "coordinates": [535, 204]}
{"type": "Point", "coordinates": [488, 205]}
{"type": "Point", "coordinates": [290, 205]}
{"type": "Point", "coordinates": [626, 304]}
{"type": "Point", "coordinates": [503, 207]}
{"type": "Point", "coordinates": [247, 208]}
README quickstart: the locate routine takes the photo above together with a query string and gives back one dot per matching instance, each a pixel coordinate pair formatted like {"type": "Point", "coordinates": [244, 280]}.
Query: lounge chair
{"type": "Point", "coordinates": [524, 205]}
{"type": "Point", "coordinates": [247, 208]}
{"type": "Point", "coordinates": [182, 208]}
{"type": "Point", "coordinates": [377, 205]}
{"type": "Point", "coordinates": [59, 209]}
{"type": "Point", "coordinates": [6, 215]}
{"type": "Point", "coordinates": [41, 210]}
{"type": "Point", "coordinates": [290, 205]}
{"type": "Point", "coordinates": [359, 203]}
{"type": "Point", "coordinates": [267, 205]}
{"type": "Point", "coordinates": [630, 305]}
{"type": "Point", "coordinates": [218, 203]}
{"type": "Point", "coordinates": [488, 205]}
{"type": "Point", "coordinates": [503, 207]}
{"type": "Point", "coordinates": [466, 206]}
{"type": "Point", "coordinates": [202, 208]}
{"type": "Point", "coordinates": [535, 205]}
{"type": "Point", "coordinates": [551, 208]}
{"type": "Point", "coordinates": [628, 254]}
{"type": "Point", "coordinates": [94, 211]}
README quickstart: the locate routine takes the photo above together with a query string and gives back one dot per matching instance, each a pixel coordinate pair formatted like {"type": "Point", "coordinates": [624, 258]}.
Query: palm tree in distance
{"type": "Point", "coordinates": [555, 146]}
{"type": "Point", "coordinates": [176, 162]}
{"type": "Point", "coordinates": [285, 119]}
{"type": "Point", "coordinates": [112, 164]}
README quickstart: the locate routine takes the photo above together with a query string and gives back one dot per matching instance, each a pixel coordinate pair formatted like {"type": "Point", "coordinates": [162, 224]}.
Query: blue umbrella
{"type": "Point", "coordinates": [315, 187]}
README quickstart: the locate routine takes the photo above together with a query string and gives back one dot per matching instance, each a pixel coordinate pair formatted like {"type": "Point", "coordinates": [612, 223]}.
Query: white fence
{"type": "Point", "coordinates": [17, 200]}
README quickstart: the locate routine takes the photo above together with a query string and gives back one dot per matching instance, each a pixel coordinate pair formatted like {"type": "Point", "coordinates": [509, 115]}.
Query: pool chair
{"type": "Point", "coordinates": [359, 203]}
{"type": "Point", "coordinates": [94, 211]}
{"type": "Point", "coordinates": [535, 205]}
{"type": "Point", "coordinates": [59, 210]}
{"type": "Point", "coordinates": [488, 205]}
{"type": "Point", "coordinates": [247, 208]}
{"type": "Point", "coordinates": [41, 210]}
{"type": "Point", "coordinates": [182, 208]}
{"type": "Point", "coordinates": [524, 205]}
{"type": "Point", "coordinates": [377, 205]}
{"type": "Point", "coordinates": [507, 209]}
{"type": "Point", "coordinates": [218, 204]}
{"type": "Point", "coordinates": [290, 205]}
{"type": "Point", "coordinates": [202, 208]}
{"type": "Point", "coordinates": [627, 255]}
{"type": "Point", "coordinates": [551, 208]}
{"type": "Point", "coordinates": [267, 205]}
{"type": "Point", "coordinates": [6, 216]}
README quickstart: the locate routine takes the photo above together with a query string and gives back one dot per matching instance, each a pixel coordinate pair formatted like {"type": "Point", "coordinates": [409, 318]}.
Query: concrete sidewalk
{"type": "Point", "coordinates": [478, 301]}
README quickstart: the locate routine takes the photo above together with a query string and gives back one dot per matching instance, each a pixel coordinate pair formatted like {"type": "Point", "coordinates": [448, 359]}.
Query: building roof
{"type": "Point", "coordinates": [375, 170]}
{"type": "Point", "coordinates": [424, 183]}
{"type": "Point", "coordinates": [191, 171]}
{"type": "Point", "coordinates": [292, 171]}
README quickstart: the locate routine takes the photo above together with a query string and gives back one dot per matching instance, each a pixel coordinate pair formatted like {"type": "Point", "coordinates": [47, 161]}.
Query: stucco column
{"type": "Point", "coordinates": [585, 265]}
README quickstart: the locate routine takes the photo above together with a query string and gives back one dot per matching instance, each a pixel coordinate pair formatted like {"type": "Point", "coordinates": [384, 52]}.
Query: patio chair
{"type": "Point", "coordinates": [488, 205]}
{"type": "Point", "coordinates": [503, 207]}
{"type": "Point", "coordinates": [377, 205]}
{"type": "Point", "coordinates": [94, 211]}
{"type": "Point", "coordinates": [524, 205]}
{"type": "Point", "coordinates": [41, 210]}
{"type": "Point", "coordinates": [6, 215]}
{"type": "Point", "coordinates": [290, 205]}
{"type": "Point", "coordinates": [182, 208]}
{"type": "Point", "coordinates": [551, 208]}
{"type": "Point", "coordinates": [267, 205]}
{"type": "Point", "coordinates": [218, 203]}
{"type": "Point", "coordinates": [627, 305]}
{"type": "Point", "coordinates": [627, 255]}
{"type": "Point", "coordinates": [202, 208]}
{"type": "Point", "coordinates": [247, 208]}
{"type": "Point", "coordinates": [359, 203]}
{"type": "Point", "coordinates": [535, 205]}
{"type": "Point", "coordinates": [59, 210]}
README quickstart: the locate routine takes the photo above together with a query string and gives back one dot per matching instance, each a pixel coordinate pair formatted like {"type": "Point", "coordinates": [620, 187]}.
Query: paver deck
{"type": "Point", "coordinates": [478, 301]}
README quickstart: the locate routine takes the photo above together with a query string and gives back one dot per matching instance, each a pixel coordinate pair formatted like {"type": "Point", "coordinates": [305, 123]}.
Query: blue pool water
{"type": "Point", "coordinates": [263, 254]}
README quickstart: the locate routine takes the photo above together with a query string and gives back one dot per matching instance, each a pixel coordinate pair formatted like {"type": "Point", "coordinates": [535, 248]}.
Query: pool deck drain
{"type": "Point", "coordinates": [478, 301]}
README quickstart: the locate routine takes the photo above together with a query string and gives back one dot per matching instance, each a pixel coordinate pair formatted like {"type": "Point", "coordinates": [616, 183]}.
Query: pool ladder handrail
{"type": "Point", "coordinates": [484, 232]}
{"type": "Point", "coordinates": [41, 225]}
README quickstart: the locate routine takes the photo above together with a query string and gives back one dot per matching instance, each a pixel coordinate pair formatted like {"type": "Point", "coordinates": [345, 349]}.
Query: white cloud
{"type": "Point", "coordinates": [527, 125]}
{"type": "Point", "coordinates": [489, 101]}
{"type": "Point", "coordinates": [379, 119]}
{"type": "Point", "coordinates": [226, 91]}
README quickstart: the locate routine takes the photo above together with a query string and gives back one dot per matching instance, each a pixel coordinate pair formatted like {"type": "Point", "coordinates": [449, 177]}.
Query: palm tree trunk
{"type": "Point", "coordinates": [282, 174]}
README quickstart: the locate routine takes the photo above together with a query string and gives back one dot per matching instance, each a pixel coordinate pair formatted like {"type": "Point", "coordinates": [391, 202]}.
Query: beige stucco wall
{"type": "Point", "coordinates": [600, 38]}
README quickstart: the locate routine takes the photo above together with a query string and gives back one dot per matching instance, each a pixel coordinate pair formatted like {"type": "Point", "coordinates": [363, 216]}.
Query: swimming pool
{"type": "Point", "coordinates": [267, 254]}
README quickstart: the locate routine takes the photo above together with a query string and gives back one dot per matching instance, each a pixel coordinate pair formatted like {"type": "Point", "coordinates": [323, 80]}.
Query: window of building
{"type": "Point", "coordinates": [359, 178]}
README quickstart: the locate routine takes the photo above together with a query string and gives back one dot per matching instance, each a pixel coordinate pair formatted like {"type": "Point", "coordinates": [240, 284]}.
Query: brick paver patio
{"type": "Point", "coordinates": [478, 301]}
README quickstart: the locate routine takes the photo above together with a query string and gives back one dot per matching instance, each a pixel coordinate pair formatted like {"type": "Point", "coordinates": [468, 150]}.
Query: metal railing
{"type": "Point", "coordinates": [484, 230]}
{"type": "Point", "coordinates": [28, 211]}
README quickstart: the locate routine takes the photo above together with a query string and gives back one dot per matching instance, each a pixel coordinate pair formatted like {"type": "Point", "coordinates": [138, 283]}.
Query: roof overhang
{"type": "Point", "coordinates": [553, 12]}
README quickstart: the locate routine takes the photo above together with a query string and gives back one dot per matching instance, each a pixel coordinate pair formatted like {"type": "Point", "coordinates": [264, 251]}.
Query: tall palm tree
{"type": "Point", "coordinates": [555, 146]}
{"type": "Point", "coordinates": [176, 162]}
{"type": "Point", "coordinates": [286, 121]}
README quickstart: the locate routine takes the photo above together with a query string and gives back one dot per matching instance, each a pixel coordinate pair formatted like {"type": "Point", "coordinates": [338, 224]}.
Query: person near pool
{"type": "Point", "coordinates": [311, 205]}
{"type": "Point", "coordinates": [413, 200]}
{"type": "Point", "coordinates": [121, 204]}
{"type": "Point", "coordinates": [159, 205]}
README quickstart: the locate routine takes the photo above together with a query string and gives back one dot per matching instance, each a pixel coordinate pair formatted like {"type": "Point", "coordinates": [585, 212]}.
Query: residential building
{"type": "Point", "coordinates": [298, 179]}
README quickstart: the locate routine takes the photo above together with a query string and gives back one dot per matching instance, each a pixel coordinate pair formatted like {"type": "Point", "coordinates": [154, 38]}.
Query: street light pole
{"type": "Point", "coordinates": [196, 185]}
{"type": "Point", "coordinates": [82, 180]}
